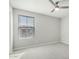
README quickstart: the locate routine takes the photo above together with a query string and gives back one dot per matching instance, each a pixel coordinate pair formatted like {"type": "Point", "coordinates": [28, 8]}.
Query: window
{"type": "Point", "coordinates": [26, 26]}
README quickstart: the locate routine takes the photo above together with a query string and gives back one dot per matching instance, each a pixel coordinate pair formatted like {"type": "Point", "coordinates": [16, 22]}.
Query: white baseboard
{"type": "Point", "coordinates": [66, 42]}
{"type": "Point", "coordinates": [36, 45]}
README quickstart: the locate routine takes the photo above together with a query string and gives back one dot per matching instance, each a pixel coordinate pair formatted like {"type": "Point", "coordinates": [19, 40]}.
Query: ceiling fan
{"type": "Point", "coordinates": [57, 6]}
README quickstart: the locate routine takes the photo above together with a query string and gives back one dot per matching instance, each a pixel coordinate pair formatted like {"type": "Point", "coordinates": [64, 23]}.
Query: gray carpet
{"type": "Point", "coordinates": [56, 51]}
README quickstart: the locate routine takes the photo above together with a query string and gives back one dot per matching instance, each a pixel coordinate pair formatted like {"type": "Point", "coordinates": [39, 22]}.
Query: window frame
{"type": "Point", "coordinates": [33, 26]}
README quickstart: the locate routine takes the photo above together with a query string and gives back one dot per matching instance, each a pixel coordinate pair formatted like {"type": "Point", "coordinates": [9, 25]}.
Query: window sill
{"type": "Point", "coordinates": [25, 38]}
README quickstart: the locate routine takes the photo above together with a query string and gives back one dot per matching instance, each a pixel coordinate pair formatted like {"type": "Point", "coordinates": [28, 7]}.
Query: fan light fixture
{"type": "Point", "coordinates": [56, 9]}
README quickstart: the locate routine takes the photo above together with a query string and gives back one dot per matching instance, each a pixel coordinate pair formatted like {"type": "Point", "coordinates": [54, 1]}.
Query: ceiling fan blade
{"type": "Point", "coordinates": [53, 10]}
{"type": "Point", "coordinates": [52, 2]}
{"type": "Point", "coordinates": [64, 7]}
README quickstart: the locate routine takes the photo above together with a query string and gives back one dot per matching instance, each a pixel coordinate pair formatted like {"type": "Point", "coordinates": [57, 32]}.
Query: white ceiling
{"type": "Point", "coordinates": [41, 6]}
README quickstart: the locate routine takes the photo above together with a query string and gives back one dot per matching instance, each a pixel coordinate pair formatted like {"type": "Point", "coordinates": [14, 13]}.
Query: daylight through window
{"type": "Point", "coordinates": [26, 26]}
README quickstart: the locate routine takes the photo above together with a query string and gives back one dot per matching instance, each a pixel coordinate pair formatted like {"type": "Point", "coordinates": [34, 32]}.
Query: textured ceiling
{"type": "Point", "coordinates": [41, 6]}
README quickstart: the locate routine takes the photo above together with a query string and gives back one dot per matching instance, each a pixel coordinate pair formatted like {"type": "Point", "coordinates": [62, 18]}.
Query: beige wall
{"type": "Point", "coordinates": [47, 29]}
{"type": "Point", "coordinates": [65, 30]}
{"type": "Point", "coordinates": [11, 29]}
